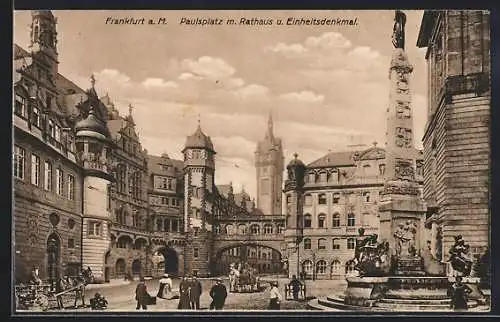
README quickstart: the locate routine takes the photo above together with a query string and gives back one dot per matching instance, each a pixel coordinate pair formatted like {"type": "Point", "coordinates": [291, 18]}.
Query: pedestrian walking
{"type": "Point", "coordinates": [275, 297]}
{"type": "Point", "coordinates": [184, 294]}
{"type": "Point", "coordinates": [141, 295]}
{"type": "Point", "coordinates": [295, 285]}
{"type": "Point", "coordinates": [218, 293]}
{"type": "Point", "coordinates": [165, 286]}
{"type": "Point", "coordinates": [459, 295]}
{"type": "Point", "coordinates": [196, 291]}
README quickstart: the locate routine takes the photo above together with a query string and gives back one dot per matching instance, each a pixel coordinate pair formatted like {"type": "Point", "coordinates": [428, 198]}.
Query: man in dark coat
{"type": "Point", "coordinates": [459, 293]}
{"type": "Point", "coordinates": [195, 293]}
{"type": "Point", "coordinates": [295, 284]}
{"type": "Point", "coordinates": [141, 295]}
{"type": "Point", "coordinates": [184, 294]}
{"type": "Point", "coordinates": [218, 293]}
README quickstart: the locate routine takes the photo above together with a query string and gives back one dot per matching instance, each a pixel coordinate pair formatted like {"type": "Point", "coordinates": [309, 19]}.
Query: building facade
{"type": "Point", "coordinates": [457, 134]}
{"type": "Point", "coordinates": [339, 194]}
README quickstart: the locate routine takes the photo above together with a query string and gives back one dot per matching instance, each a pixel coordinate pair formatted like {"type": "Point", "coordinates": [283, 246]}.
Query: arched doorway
{"type": "Point", "coordinates": [53, 257]}
{"type": "Point", "coordinates": [136, 267]}
{"type": "Point", "coordinates": [171, 261]}
{"type": "Point", "coordinates": [120, 268]}
{"type": "Point", "coordinates": [106, 266]}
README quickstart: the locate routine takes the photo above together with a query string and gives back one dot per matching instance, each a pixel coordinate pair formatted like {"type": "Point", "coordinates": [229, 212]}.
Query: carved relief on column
{"type": "Point", "coordinates": [404, 169]}
{"type": "Point", "coordinates": [403, 110]}
{"type": "Point", "coordinates": [404, 137]}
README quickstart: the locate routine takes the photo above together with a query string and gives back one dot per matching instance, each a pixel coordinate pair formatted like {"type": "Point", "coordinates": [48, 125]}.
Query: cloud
{"type": "Point", "coordinates": [158, 83]}
{"type": "Point", "coordinates": [328, 41]}
{"type": "Point", "coordinates": [112, 76]}
{"type": "Point", "coordinates": [252, 90]}
{"type": "Point", "coordinates": [210, 67]}
{"type": "Point", "coordinates": [304, 96]}
{"type": "Point", "coordinates": [189, 76]}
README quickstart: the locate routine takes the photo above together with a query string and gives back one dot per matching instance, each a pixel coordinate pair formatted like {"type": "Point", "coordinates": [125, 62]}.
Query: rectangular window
{"type": "Point", "coordinates": [308, 200]}
{"type": "Point", "coordinates": [164, 200]}
{"type": "Point", "coordinates": [52, 129]}
{"type": "Point", "coordinates": [71, 243]}
{"type": "Point", "coordinates": [264, 186]}
{"type": "Point", "coordinates": [59, 182]}
{"type": "Point", "coordinates": [57, 133]}
{"type": "Point", "coordinates": [336, 197]}
{"type": "Point", "coordinates": [19, 162]}
{"type": "Point", "coordinates": [350, 243]}
{"type": "Point", "coordinates": [195, 253]}
{"type": "Point", "coordinates": [48, 176]}
{"type": "Point", "coordinates": [335, 245]}
{"type": "Point", "coordinates": [20, 107]}
{"type": "Point", "coordinates": [71, 187]}
{"type": "Point", "coordinates": [94, 228]}
{"type": "Point", "coordinates": [36, 116]}
{"type": "Point", "coordinates": [322, 199]}
{"type": "Point", "coordinates": [35, 170]}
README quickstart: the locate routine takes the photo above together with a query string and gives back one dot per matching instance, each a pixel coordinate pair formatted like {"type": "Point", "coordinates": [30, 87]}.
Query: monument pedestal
{"type": "Point", "coordinates": [365, 291]}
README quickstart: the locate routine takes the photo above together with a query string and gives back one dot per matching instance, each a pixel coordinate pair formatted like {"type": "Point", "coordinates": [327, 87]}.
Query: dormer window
{"type": "Point", "coordinates": [20, 107]}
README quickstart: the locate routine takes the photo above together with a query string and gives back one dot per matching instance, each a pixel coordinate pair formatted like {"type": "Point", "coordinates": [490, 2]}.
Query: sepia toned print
{"type": "Point", "coordinates": [170, 161]}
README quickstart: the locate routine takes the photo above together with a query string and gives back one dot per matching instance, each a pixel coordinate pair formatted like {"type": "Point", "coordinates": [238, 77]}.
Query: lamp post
{"type": "Point", "coordinates": [314, 266]}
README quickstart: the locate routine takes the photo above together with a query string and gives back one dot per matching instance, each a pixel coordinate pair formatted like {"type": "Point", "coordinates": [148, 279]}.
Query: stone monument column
{"type": "Point", "coordinates": [402, 209]}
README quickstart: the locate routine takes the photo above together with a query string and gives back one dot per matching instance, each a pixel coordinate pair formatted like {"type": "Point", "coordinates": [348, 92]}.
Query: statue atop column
{"type": "Point", "coordinates": [398, 32]}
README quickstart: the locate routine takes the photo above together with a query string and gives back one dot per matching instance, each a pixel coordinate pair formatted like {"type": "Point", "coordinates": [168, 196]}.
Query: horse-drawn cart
{"type": "Point", "coordinates": [244, 280]}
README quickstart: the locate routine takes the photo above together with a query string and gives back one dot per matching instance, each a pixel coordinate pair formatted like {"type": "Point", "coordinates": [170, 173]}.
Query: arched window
{"type": "Point", "coordinates": [307, 243]}
{"type": "Point", "coordinates": [336, 267]}
{"type": "Point", "coordinates": [281, 229]}
{"type": "Point", "coordinates": [123, 242]}
{"type": "Point", "coordinates": [351, 220]}
{"type": "Point", "coordinates": [321, 220]}
{"type": "Point", "coordinates": [307, 267]}
{"type": "Point", "coordinates": [307, 221]}
{"type": "Point", "coordinates": [336, 220]}
{"type": "Point", "coordinates": [242, 229]}
{"type": "Point", "coordinates": [268, 229]}
{"type": "Point", "coordinates": [255, 229]}
{"type": "Point", "coordinates": [229, 229]}
{"type": "Point", "coordinates": [166, 225]}
{"type": "Point", "coordinates": [322, 243]}
{"type": "Point", "coordinates": [321, 267]}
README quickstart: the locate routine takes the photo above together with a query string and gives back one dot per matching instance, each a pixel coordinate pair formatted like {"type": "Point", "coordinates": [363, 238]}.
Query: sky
{"type": "Point", "coordinates": [326, 86]}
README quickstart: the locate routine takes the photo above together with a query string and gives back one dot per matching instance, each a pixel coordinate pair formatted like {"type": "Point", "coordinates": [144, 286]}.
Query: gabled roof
{"type": "Point", "coordinates": [334, 159]}
{"type": "Point", "coordinates": [155, 165]}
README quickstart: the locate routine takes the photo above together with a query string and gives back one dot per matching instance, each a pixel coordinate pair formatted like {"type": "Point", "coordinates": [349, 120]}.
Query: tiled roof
{"type": "Point", "coordinates": [334, 159]}
{"type": "Point", "coordinates": [155, 162]}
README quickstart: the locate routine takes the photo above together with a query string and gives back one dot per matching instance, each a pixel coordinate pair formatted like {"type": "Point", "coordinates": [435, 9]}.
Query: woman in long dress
{"type": "Point", "coordinates": [165, 290]}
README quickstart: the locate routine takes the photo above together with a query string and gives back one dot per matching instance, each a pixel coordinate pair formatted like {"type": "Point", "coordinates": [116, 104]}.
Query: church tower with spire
{"type": "Point", "coordinates": [269, 165]}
